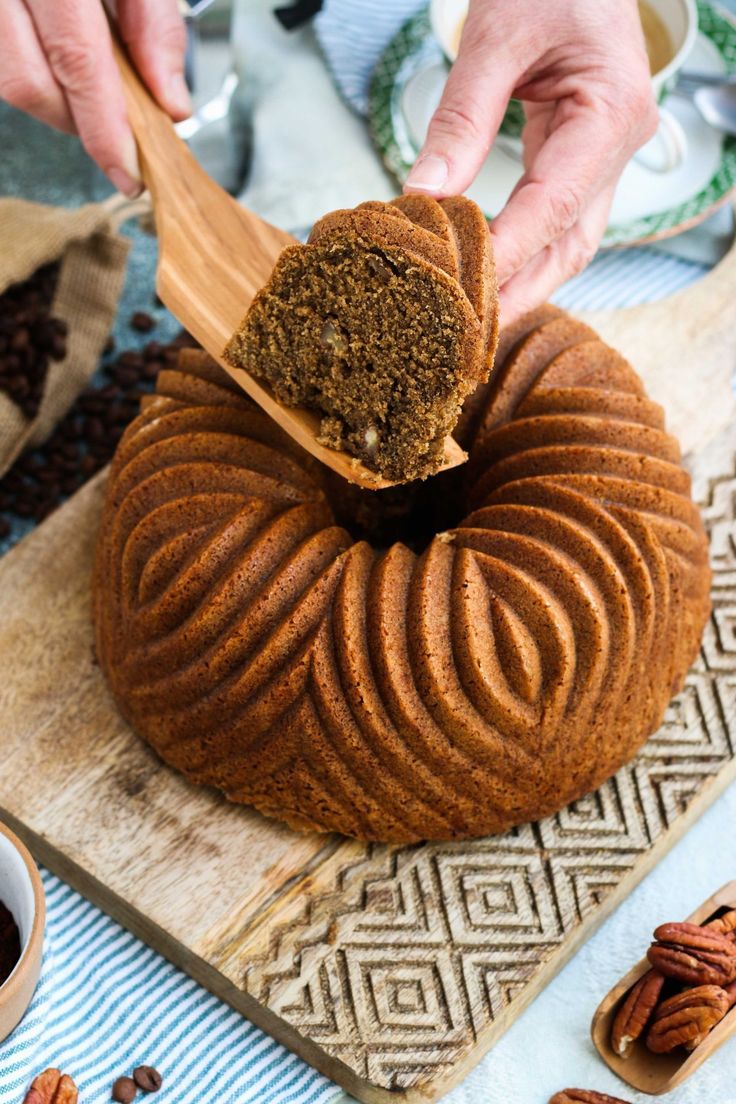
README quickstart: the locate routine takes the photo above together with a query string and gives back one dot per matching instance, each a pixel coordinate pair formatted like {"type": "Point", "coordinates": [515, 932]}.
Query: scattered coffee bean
{"type": "Point", "coordinates": [124, 1090]}
{"type": "Point", "coordinates": [143, 322]}
{"type": "Point", "coordinates": [152, 369]}
{"type": "Point", "coordinates": [85, 439]}
{"type": "Point", "coordinates": [29, 335]}
{"type": "Point", "coordinates": [147, 1078]}
{"type": "Point", "coordinates": [9, 943]}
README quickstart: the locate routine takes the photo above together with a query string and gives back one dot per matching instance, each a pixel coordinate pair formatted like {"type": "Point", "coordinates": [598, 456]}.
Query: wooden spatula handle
{"type": "Point", "coordinates": [161, 151]}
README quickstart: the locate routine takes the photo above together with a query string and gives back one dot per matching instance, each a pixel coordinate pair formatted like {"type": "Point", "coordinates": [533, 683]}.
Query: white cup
{"type": "Point", "coordinates": [667, 149]}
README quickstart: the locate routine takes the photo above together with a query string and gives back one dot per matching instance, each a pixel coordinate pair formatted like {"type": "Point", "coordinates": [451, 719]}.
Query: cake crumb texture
{"type": "Point", "coordinates": [383, 323]}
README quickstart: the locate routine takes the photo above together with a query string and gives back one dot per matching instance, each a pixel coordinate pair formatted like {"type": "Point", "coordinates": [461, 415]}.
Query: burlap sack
{"type": "Point", "coordinates": [92, 259]}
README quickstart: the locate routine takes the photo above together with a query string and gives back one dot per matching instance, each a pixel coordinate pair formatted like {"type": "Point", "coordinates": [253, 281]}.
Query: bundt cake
{"type": "Point", "coordinates": [510, 665]}
{"type": "Point", "coordinates": [382, 323]}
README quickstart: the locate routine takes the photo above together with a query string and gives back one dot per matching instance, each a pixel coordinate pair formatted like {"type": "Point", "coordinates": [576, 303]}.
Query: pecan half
{"type": "Point", "coordinates": [730, 991]}
{"type": "Point", "coordinates": [52, 1087]}
{"type": "Point", "coordinates": [635, 1012]}
{"type": "Point", "coordinates": [725, 924]}
{"type": "Point", "coordinates": [584, 1096]}
{"type": "Point", "coordinates": [693, 955]}
{"type": "Point", "coordinates": [686, 1018]}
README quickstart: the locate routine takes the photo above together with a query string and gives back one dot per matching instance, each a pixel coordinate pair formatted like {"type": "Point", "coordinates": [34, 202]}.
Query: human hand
{"type": "Point", "coordinates": [582, 71]}
{"type": "Point", "coordinates": [56, 63]}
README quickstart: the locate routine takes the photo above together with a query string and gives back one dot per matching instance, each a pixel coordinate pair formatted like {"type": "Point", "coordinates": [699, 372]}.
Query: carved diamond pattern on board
{"type": "Point", "coordinates": [396, 911]}
{"type": "Point", "coordinates": [432, 1002]}
{"type": "Point", "coordinates": [725, 623]}
{"type": "Point", "coordinates": [582, 882]}
{"type": "Point", "coordinates": [491, 987]}
{"type": "Point", "coordinates": [404, 1067]}
{"type": "Point", "coordinates": [693, 726]}
{"type": "Point", "coordinates": [669, 790]}
{"type": "Point", "coordinates": [719, 515]}
{"type": "Point", "coordinates": [719, 641]}
{"type": "Point", "coordinates": [312, 1001]}
{"type": "Point", "coordinates": [608, 818]}
{"type": "Point", "coordinates": [492, 899]}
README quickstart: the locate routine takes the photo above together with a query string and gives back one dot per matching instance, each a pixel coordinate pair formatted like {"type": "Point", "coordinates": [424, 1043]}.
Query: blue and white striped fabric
{"type": "Point", "coordinates": [353, 34]}
{"type": "Point", "coordinates": [107, 1003]}
{"type": "Point", "coordinates": [625, 278]}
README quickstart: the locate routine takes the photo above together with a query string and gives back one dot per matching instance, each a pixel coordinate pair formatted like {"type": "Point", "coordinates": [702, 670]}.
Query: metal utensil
{"type": "Point", "coordinates": [714, 95]}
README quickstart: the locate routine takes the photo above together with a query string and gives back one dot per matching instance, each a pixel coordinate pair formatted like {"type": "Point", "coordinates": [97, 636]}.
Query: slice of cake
{"type": "Point", "coordinates": [383, 323]}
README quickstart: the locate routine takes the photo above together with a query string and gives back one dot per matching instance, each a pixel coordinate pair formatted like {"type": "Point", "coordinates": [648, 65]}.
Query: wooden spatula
{"type": "Point", "coordinates": [214, 255]}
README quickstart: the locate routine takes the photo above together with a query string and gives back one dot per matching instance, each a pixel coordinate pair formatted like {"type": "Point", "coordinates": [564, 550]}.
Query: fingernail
{"type": "Point", "coordinates": [125, 183]}
{"type": "Point", "coordinates": [127, 176]}
{"type": "Point", "coordinates": [130, 163]}
{"type": "Point", "coordinates": [178, 95]}
{"type": "Point", "coordinates": [429, 174]}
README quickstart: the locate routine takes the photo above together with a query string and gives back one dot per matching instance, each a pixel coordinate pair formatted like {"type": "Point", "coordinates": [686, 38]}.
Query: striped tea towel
{"type": "Point", "coordinates": [107, 1003]}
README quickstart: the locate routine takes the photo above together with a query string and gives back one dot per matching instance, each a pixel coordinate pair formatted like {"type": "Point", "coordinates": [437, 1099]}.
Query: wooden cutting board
{"type": "Point", "coordinates": [391, 969]}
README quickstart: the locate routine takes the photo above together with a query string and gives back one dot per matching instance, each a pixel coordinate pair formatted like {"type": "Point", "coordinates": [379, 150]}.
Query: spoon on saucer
{"type": "Point", "coordinates": [714, 97]}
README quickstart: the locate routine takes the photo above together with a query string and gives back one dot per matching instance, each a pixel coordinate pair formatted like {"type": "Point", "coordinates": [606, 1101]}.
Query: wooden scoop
{"type": "Point", "coordinates": [660, 1073]}
{"type": "Point", "coordinates": [214, 255]}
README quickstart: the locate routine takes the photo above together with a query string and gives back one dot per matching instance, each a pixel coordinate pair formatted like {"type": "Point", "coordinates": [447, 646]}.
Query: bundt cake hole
{"type": "Point", "coordinates": [412, 513]}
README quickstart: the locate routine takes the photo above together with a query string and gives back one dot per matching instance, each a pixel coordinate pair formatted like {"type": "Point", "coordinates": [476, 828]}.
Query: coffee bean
{"type": "Point", "coordinates": [152, 369]}
{"type": "Point", "coordinates": [20, 340]}
{"type": "Point", "coordinates": [95, 429]}
{"type": "Point", "coordinates": [69, 484]}
{"type": "Point", "coordinates": [124, 1090]}
{"type": "Point", "coordinates": [115, 414]}
{"type": "Point", "coordinates": [143, 322]}
{"type": "Point", "coordinates": [85, 440]}
{"type": "Point", "coordinates": [18, 388]}
{"type": "Point", "coordinates": [131, 358]}
{"type": "Point", "coordinates": [91, 404]}
{"type": "Point", "coordinates": [27, 332]}
{"type": "Point", "coordinates": [147, 1078]}
{"type": "Point", "coordinates": [126, 377]}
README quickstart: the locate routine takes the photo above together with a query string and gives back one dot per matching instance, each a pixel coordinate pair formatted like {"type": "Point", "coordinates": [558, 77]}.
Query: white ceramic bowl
{"type": "Point", "coordinates": [21, 890]}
